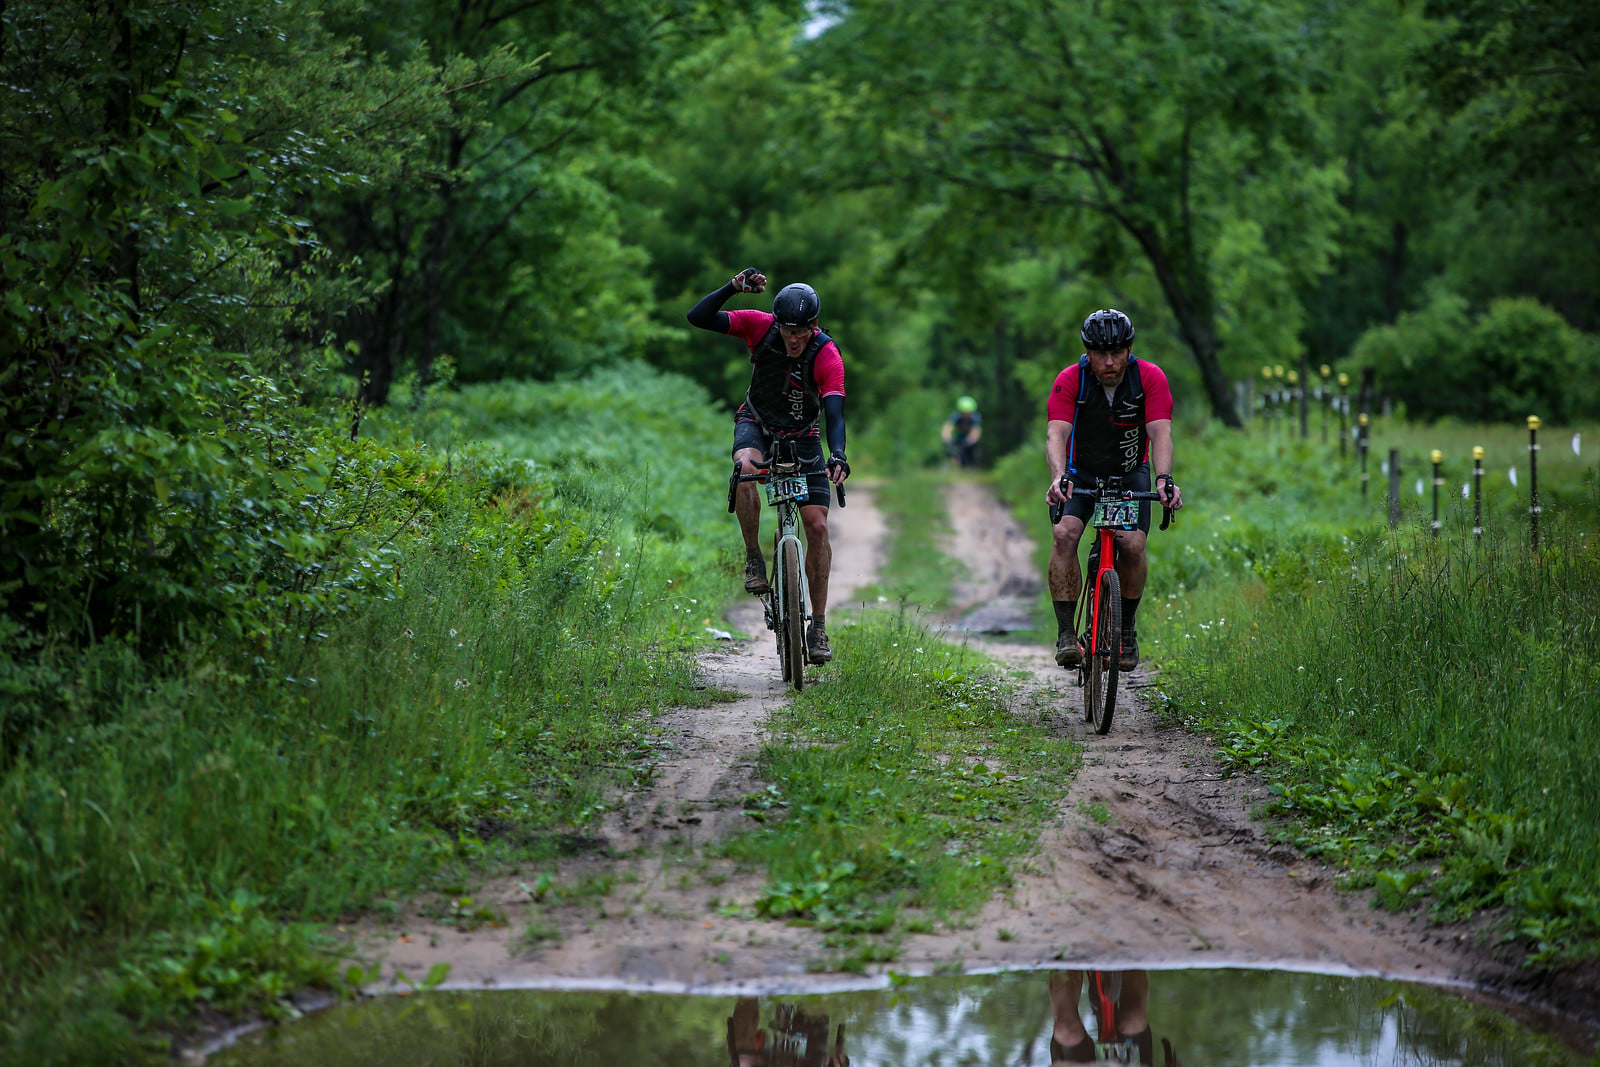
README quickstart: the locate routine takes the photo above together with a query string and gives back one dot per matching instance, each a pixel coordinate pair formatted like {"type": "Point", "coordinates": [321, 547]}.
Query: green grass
{"type": "Point", "coordinates": [1426, 708]}
{"type": "Point", "coordinates": [901, 785]}
{"type": "Point", "coordinates": [917, 570]}
{"type": "Point", "coordinates": [170, 829]}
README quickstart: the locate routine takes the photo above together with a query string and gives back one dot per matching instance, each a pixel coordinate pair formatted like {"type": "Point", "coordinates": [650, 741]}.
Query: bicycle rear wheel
{"type": "Point", "coordinates": [1108, 645]}
{"type": "Point", "coordinates": [792, 612]}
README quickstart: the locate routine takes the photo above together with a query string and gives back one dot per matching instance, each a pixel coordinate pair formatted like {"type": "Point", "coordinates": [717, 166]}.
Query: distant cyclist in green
{"type": "Point", "coordinates": [961, 431]}
{"type": "Point", "coordinates": [1109, 413]}
{"type": "Point", "coordinates": [796, 376]}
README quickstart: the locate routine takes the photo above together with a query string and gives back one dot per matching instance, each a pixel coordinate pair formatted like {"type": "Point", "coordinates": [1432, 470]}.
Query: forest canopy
{"type": "Point", "coordinates": [229, 226]}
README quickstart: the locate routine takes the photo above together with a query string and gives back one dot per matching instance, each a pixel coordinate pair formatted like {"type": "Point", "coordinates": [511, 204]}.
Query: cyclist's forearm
{"type": "Point", "coordinates": [708, 313]}
{"type": "Point", "coordinates": [1160, 448]}
{"type": "Point", "coordinates": [833, 408]}
{"type": "Point", "coordinates": [1055, 448]}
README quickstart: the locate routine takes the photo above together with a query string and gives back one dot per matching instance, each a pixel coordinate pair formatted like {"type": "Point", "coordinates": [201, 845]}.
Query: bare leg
{"type": "Point", "coordinates": [1064, 989]}
{"type": "Point", "coordinates": [1133, 563]}
{"type": "Point", "coordinates": [747, 502]}
{"type": "Point", "coordinates": [819, 556]}
{"type": "Point", "coordinates": [1064, 576]}
{"type": "Point", "coordinates": [1133, 1009]}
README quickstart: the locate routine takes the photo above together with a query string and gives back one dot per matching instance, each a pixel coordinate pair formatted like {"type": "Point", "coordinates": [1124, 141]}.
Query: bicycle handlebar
{"type": "Point", "coordinates": [765, 472]}
{"type": "Point", "coordinates": [1168, 516]}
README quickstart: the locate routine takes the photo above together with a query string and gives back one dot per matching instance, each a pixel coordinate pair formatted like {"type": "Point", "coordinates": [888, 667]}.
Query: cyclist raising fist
{"type": "Point", "coordinates": [1109, 413]}
{"type": "Point", "coordinates": [796, 376]}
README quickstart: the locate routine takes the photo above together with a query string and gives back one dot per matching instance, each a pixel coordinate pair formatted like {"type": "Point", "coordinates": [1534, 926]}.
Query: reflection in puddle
{"type": "Point", "coordinates": [1195, 1017]}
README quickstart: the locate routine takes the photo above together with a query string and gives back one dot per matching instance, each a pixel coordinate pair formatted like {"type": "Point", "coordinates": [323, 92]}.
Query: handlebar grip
{"type": "Point", "coordinates": [733, 487]}
{"type": "Point", "coordinates": [1168, 516]}
{"type": "Point", "coordinates": [839, 488]}
{"type": "Point", "coordinates": [1056, 511]}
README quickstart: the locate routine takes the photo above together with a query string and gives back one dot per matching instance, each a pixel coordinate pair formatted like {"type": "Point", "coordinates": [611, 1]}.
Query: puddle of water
{"type": "Point", "coordinates": [1196, 1017]}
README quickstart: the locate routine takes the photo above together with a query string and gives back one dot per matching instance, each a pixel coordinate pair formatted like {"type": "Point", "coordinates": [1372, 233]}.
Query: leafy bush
{"type": "Point", "coordinates": [1517, 358]}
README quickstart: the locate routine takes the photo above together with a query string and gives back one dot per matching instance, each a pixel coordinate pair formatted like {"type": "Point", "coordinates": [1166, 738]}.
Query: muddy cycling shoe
{"type": "Point", "coordinates": [1068, 652]}
{"type": "Point", "coordinates": [1128, 655]}
{"type": "Point", "coordinates": [817, 650]}
{"type": "Point", "coordinates": [755, 576]}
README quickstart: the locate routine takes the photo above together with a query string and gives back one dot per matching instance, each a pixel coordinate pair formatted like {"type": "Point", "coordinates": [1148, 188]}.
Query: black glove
{"type": "Point", "coordinates": [745, 281]}
{"type": "Point", "coordinates": [838, 460]}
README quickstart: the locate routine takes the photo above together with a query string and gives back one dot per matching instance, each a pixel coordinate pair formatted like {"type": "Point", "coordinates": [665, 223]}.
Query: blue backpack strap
{"type": "Point", "coordinates": [1135, 390]}
{"type": "Point", "coordinates": [1083, 394]}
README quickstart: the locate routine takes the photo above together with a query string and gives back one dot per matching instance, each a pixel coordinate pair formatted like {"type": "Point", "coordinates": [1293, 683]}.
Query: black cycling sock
{"type": "Point", "coordinates": [1130, 608]}
{"type": "Point", "coordinates": [1063, 615]}
{"type": "Point", "coordinates": [819, 620]}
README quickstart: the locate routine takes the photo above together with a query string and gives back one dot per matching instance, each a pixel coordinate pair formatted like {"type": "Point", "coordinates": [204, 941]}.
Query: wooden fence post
{"type": "Point", "coordinates": [1394, 487]}
{"type": "Point", "coordinates": [1533, 478]}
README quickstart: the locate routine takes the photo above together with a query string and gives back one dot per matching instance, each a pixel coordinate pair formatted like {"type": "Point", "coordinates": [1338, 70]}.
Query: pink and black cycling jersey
{"type": "Point", "coordinates": [780, 396]}
{"type": "Point", "coordinates": [1108, 434]}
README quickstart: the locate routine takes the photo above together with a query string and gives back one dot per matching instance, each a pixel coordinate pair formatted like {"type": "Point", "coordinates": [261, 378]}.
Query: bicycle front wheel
{"type": "Point", "coordinates": [1107, 647]}
{"type": "Point", "coordinates": [775, 613]}
{"type": "Point", "coordinates": [792, 612]}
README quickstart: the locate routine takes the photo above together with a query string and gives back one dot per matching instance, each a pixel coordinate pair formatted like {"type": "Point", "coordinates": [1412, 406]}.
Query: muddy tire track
{"type": "Point", "coordinates": [1153, 859]}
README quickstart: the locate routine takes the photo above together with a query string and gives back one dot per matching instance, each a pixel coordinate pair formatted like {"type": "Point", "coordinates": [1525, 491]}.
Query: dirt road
{"type": "Point", "coordinates": [1153, 861]}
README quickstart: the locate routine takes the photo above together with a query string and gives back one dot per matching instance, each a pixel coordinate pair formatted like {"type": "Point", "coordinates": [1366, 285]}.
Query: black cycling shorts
{"type": "Point", "coordinates": [749, 434]}
{"type": "Point", "coordinates": [1080, 507]}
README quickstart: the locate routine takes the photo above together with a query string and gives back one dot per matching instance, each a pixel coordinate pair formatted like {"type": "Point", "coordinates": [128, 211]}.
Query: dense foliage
{"type": "Point", "coordinates": [232, 230]}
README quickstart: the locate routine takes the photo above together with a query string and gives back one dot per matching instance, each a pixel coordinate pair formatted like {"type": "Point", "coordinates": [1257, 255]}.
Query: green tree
{"type": "Point", "coordinates": [1181, 138]}
{"type": "Point", "coordinates": [507, 250]}
{"type": "Point", "coordinates": [1520, 86]}
{"type": "Point", "coordinates": [160, 293]}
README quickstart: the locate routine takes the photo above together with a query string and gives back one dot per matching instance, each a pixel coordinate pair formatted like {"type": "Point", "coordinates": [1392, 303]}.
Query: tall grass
{"type": "Point", "coordinates": [162, 836]}
{"type": "Point", "coordinates": [1429, 705]}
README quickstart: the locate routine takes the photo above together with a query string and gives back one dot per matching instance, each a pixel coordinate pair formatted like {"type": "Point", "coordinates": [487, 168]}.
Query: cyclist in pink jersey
{"type": "Point", "coordinates": [1108, 414]}
{"type": "Point", "coordinates": [796, 376]}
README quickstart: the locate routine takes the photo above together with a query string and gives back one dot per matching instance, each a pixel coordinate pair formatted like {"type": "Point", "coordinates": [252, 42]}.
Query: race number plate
{"type": "Point", "coordinates": [787, 489]}
{"type": "Point", "coordinates": [1116, 513]}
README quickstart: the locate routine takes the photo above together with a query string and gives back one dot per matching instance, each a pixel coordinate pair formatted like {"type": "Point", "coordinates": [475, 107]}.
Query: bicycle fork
{"type": "Point", "coordinates": [1102, 558]}
{"type": "Point", "coordinates": [774, 601]}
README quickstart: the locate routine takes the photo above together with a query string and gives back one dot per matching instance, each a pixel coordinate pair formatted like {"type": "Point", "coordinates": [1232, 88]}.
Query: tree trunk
{"type": "Point", "coordinates": [1194, 324]}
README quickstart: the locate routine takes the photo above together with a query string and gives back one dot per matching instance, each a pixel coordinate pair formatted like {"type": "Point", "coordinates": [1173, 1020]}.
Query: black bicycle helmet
{"type": "Point", "coordinates": [1107, 330]}
{"type": "Point", "coordinates": [796, 305]}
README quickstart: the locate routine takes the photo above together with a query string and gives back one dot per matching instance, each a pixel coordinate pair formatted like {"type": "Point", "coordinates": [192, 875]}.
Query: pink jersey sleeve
{"type": "Point", "coordinates": [828, 370]}
{"type": "Point", "coordinates": [749, 326]}
{"type": "Point", "coordinates": [1063, 403]}
{"type": "Point", "coordinates": [1157, 393]}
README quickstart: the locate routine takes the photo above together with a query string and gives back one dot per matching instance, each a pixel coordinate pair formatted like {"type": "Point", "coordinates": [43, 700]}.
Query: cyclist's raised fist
{"type": "Point", "coordinates": [749, 280]}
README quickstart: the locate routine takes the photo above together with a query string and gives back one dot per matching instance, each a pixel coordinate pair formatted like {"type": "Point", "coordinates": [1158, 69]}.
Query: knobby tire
{"type": "Point", "coordinates": [1108, 646]}
{"type": "Point", "coordinates": [775, 613]}
{"type": "Point", "coordinates": [793, 614]}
